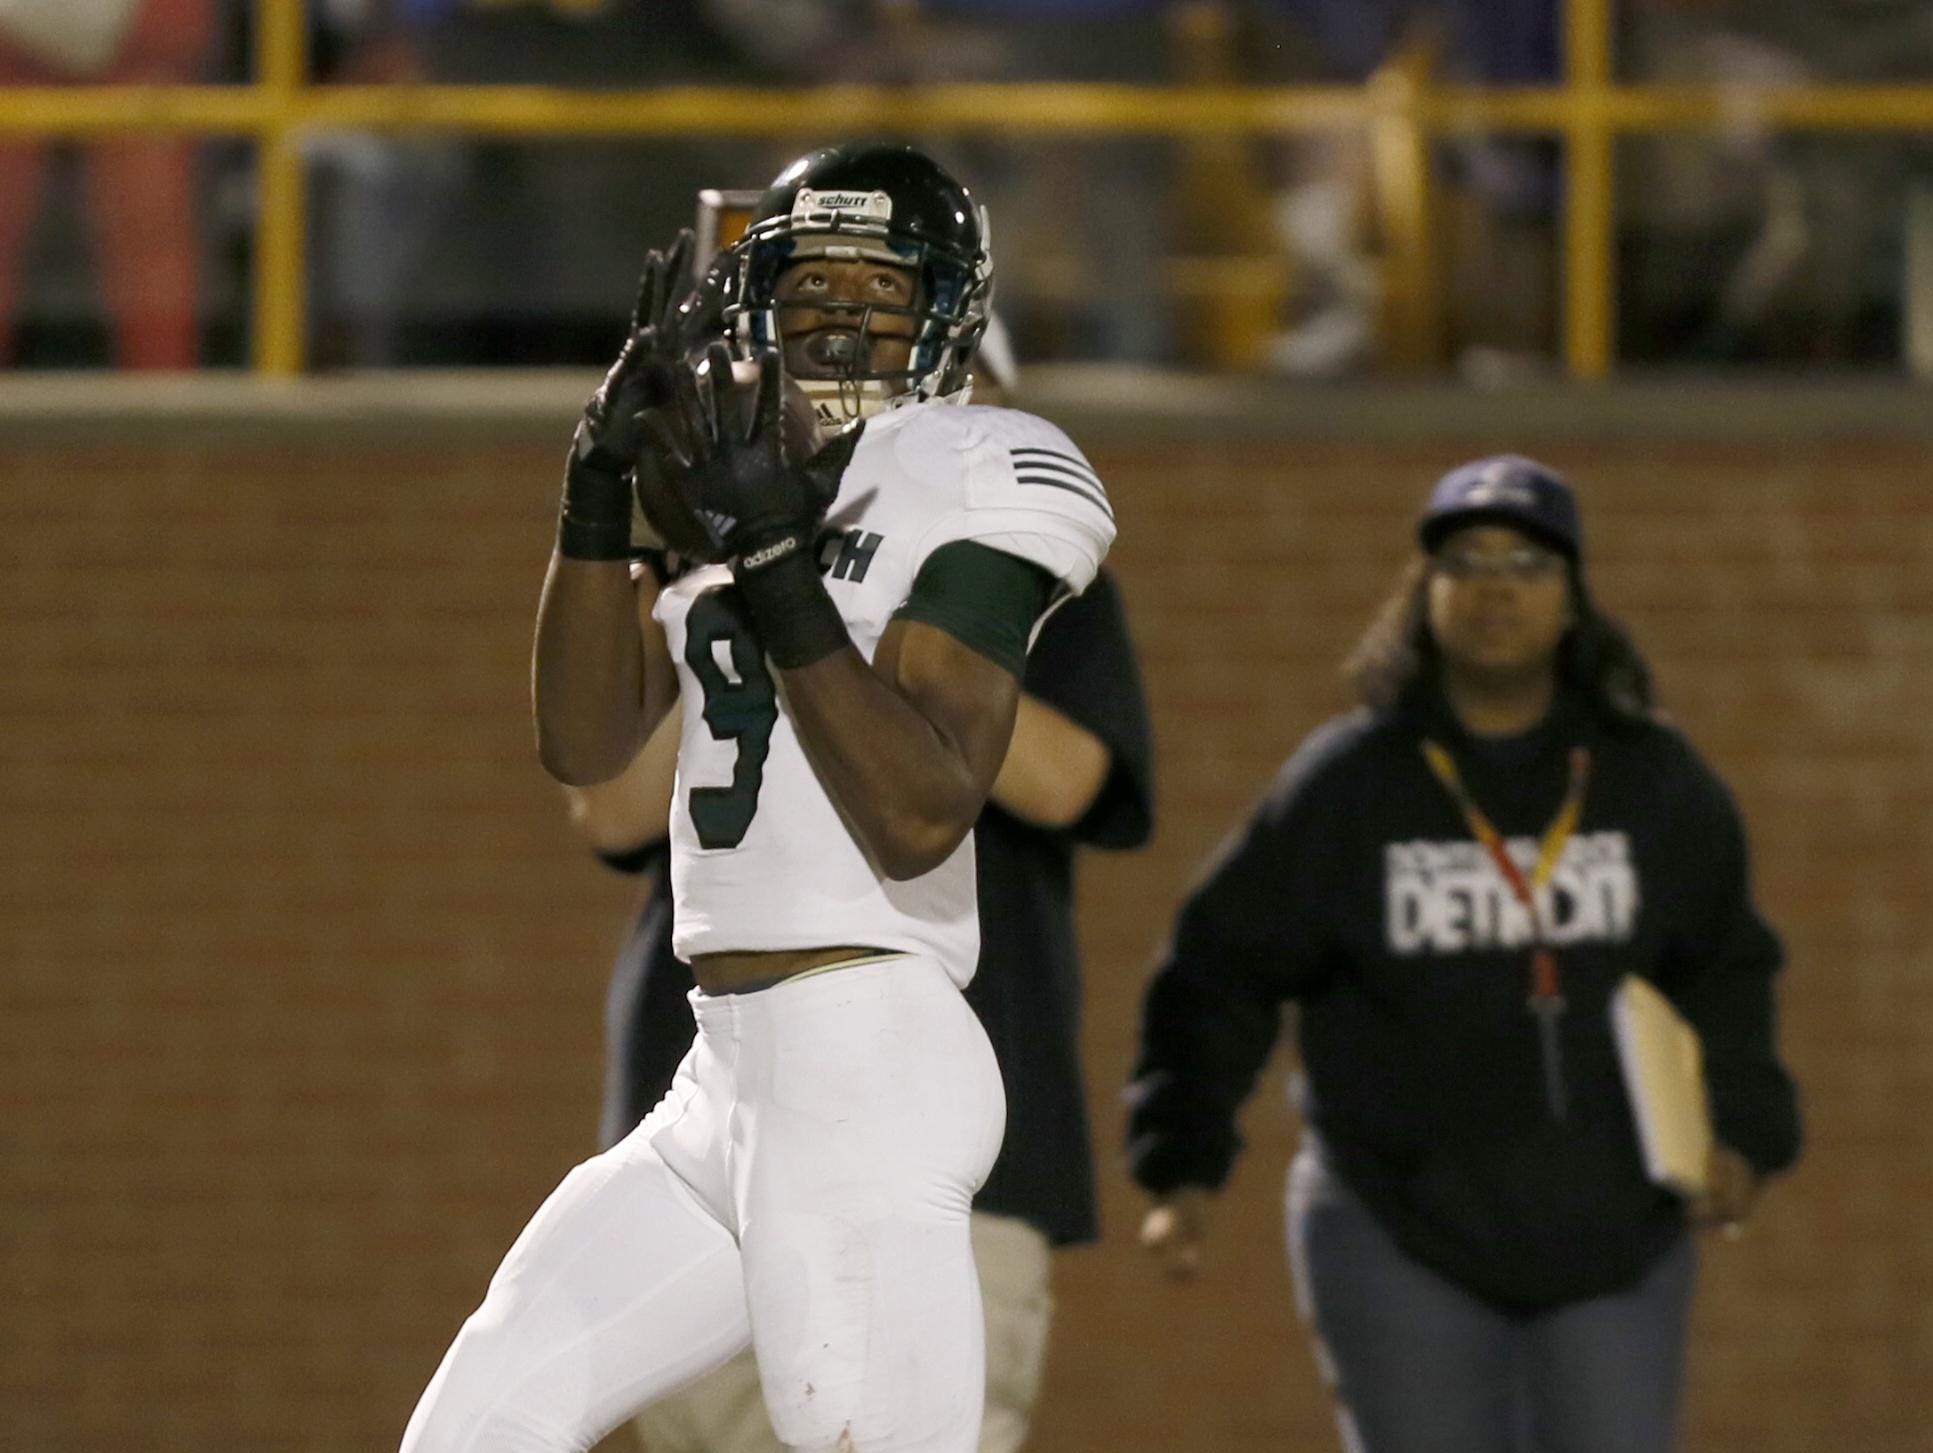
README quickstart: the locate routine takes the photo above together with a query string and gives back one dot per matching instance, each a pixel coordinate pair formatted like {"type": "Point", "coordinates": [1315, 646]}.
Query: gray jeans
{"type": "Point", "coordinates": [1419, 1365]}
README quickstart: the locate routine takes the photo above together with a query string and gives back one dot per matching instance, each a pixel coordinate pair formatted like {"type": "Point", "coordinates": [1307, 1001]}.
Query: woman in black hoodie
{"type": "Point", "coordinates": [1449, 884]}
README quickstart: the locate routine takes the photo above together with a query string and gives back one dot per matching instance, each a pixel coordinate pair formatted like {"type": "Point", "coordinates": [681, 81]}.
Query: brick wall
{"type": "Point", "coordinates": [303, 973]}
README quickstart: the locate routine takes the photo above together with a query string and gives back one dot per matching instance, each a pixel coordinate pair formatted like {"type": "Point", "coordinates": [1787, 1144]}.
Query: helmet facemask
{"type": "Point", "coordinates": [948, 311]}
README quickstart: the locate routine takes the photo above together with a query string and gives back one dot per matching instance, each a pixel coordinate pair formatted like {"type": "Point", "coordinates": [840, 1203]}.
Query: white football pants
{"type": "Point", "coordinates": [804, 1186]}
{"type": "Point", "coordinates": [724, 1411]}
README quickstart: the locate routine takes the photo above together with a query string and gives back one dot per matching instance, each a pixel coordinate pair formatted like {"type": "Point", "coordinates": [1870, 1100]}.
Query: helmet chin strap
{"type": "Point", "coordinates": [842, 398]}
{"type": "Point", "coordinates": [839, 397]}
{"type": "Point", "coordinates": [839, 401]}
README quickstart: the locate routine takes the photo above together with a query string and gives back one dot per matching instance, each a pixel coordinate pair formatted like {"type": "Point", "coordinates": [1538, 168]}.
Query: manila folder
{"type": "Point", "coordinates": [1664, 1076]}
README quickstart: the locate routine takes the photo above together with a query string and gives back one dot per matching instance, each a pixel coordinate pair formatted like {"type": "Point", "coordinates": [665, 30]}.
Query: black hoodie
{"type": "Point", "coordinates": [1356, 891]}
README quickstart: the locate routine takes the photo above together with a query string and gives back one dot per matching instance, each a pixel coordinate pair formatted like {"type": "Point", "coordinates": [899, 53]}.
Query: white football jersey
{"type": "Point", "coordinates": [760, 858]}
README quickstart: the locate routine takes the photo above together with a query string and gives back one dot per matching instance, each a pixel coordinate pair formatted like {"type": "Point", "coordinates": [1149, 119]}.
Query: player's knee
{"type": "Point", "coordinates": [477, 1403]}
{"type": "Point", "coordinates": [477, 1418]}
{"type": "Point", "coordinates": [503, 1431]}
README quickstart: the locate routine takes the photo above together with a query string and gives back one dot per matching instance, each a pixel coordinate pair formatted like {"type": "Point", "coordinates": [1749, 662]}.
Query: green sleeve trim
{"type": "Point", "coordinates": [985, 599]}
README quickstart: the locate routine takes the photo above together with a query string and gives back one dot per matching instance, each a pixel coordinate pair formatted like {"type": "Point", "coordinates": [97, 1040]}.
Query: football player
{"type": "Point", "coordinates": [1078, 775]}
{"type": "Point", "coordinates": [844, 655]}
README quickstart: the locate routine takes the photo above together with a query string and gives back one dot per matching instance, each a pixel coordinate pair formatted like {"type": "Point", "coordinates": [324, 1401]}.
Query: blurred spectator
{"type": "Point", "coordinates": [1503, 200]}
{"type": "Point", "coordinates": [538, 236]}
{"type": "Point", "coordinates": [1499, 201]}
{"type": "Point", "coordinates": [1321, 208]}
{"type": "Point", "coordinates": [139, 190]}
{"type": "Point", "coordinates": [1101, 206]}
{"type": "Point", "coordinates": [1754, 245]}
{"type": "Point", "coordinates": [378, 200]}
{"type": "Point", "coordinates": [804, 40]}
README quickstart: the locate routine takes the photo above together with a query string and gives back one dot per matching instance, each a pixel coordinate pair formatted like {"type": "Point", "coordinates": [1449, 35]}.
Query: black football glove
{"type": "Point", "coordinates": [756, 506]}
{"type": "Point", "coordinates": [670, 320]}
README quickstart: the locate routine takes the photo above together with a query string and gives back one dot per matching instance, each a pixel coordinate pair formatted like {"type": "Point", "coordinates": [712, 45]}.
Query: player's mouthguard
{"type": "Point", "coordinates": [832, 348]}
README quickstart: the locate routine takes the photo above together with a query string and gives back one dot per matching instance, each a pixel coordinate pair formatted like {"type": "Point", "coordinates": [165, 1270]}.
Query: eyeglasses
{"type": "Point", "coordinates": [1526, 562]}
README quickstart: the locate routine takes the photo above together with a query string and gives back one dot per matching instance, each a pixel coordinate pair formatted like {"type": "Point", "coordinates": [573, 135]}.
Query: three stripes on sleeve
{"type": "Point", "coordinates": [1055, 469]}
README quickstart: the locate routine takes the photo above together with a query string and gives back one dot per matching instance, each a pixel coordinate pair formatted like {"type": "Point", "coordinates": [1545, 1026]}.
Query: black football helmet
{"type": "Point", "coordinates": [882, 203]}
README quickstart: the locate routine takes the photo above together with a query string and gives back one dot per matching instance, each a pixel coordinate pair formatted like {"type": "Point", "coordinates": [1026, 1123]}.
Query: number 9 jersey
{"type": "Point", "coordinates": [761, 860]}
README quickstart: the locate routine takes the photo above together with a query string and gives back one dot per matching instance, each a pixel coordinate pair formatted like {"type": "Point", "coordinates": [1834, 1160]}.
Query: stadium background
{"type": "Point", "coordinates": [303, 971]}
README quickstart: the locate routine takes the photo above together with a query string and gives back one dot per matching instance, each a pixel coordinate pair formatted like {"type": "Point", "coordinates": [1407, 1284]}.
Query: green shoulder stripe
{"type": "Point", "coordinates": [986, 599]}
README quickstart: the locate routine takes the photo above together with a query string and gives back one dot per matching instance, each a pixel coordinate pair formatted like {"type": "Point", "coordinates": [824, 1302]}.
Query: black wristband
{"type": "Point", "coordinates": [791, 611]}
{"type": "Point", "coordinates": [595, 521]}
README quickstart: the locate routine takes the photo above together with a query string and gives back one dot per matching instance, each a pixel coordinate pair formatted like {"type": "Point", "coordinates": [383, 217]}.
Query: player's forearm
{"type": "Point", "coordinates": [634, 807]}
{"type": "Point", "coordinates": [1054, 769]}
{"type": "Point", "coordinates": [587, 672]}
{"type": "Point", "coordinates": [909, 794]}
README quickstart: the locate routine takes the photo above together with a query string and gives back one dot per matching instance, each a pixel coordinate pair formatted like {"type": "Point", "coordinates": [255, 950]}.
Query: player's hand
{"type": "Point", "coordinates": [598, 519]}
{"type": "Point", "coordinates": [730, 468]}
{"type": "Point", "coordinates": [1175, 1230]}
{"type": "Point", "coordinates": [1731, 1190]}
{"type": "Point", "coordinates": [669, 321]}
{"type": "Point", "coordinates": [609, 435]}
{"type": "Point", "coordinates": [683, 316]}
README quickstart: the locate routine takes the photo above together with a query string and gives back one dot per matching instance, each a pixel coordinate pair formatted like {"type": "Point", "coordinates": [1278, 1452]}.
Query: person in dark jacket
{"type": "Point", "coordinates": [1449, 884]}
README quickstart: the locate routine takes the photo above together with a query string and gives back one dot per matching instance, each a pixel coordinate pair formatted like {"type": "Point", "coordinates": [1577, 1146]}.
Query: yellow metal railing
{"type": "Point", "coordinates": [1589, 195]}
{"type": "Point", "coordinates": [281, 277]}
{"type": "Point", "coordinates": [1589, 112]}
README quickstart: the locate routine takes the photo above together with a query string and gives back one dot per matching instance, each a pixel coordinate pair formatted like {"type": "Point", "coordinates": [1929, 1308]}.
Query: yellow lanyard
{"type": "Point", "coordinates": [1546, 1000]}
{"type": "Point", "coordinates": [1550, 850]}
